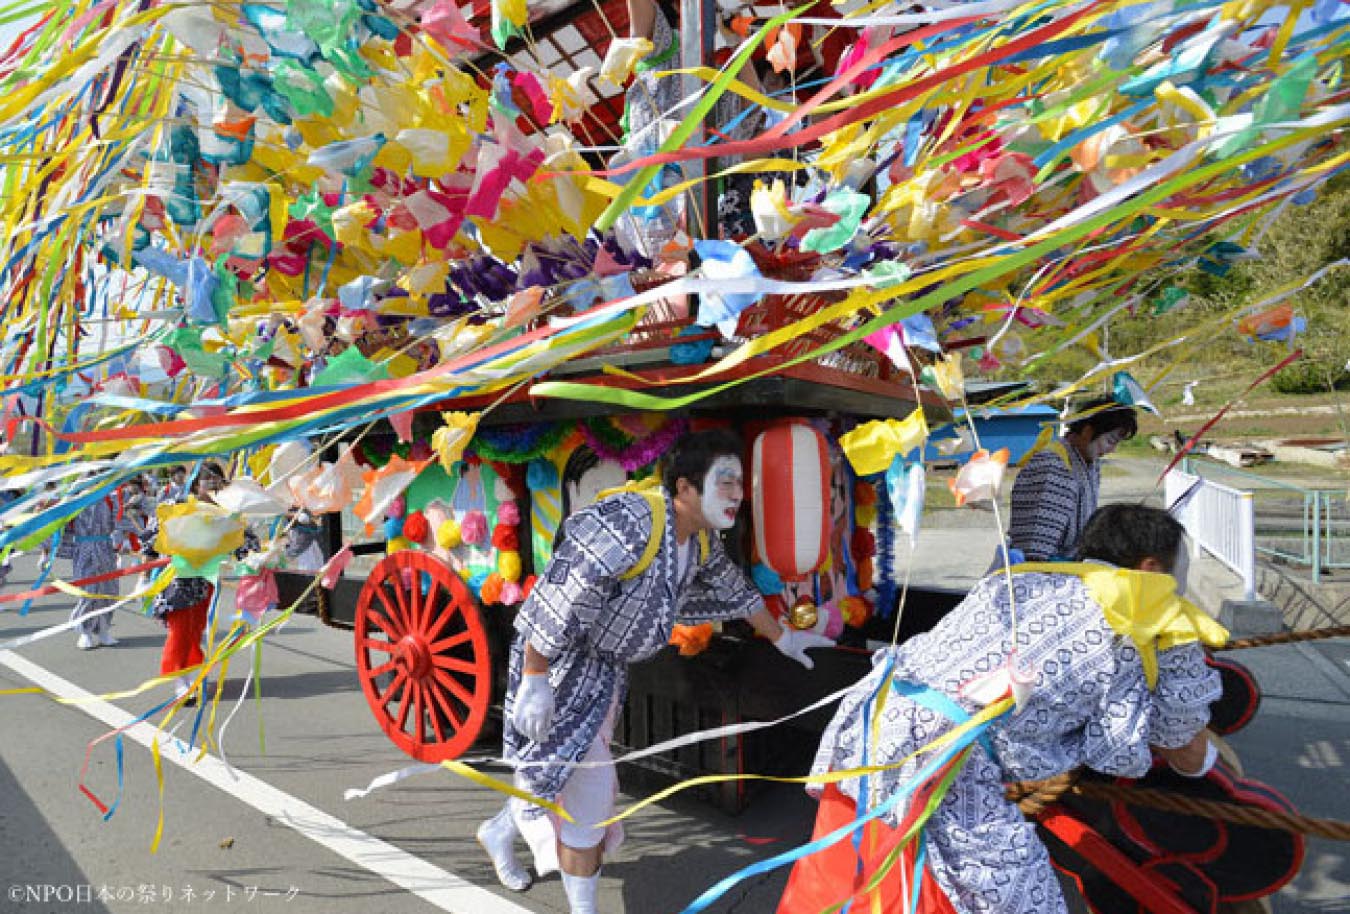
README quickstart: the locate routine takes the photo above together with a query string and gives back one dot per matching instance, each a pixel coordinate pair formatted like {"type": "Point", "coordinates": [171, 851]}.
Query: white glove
{"type": "Point", "coordinates": [1211, 756]}
{"type": "Point", "coordinates": [532, 715]}
{"type": "Point", "coordinates": [794, 643]}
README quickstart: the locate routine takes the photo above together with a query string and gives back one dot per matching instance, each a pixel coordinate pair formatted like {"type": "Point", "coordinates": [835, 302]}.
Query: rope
{"type": "Point", "coordinates": [1032, 797]}
{"type": "Point", "coordinates": [1316, 634]}
{"type": "Point", "coordinates": [1233, 813]}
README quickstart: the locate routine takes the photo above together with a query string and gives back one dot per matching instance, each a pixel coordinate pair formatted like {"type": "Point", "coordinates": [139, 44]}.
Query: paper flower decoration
{"type": "Point", "coordinates": [416, 528]}
{"type": "Point", "coordinates": [691, 640]}
{"type": "Point", "coordinates": [473, 529]}
{"type": "Point", "coordinates": [508, 565]}
{"type": "Point", "coordinates": [256, 594]}
{"type": "Point", "coordinates": [947, 376]}
{"type": "Point", "coordinates": [491, 590]}
{"type": "Point", "coordinates": [621, 58]}
{"type": "Point", "coordinates": [980, 478]}
{"type": "Point", "coordinates": [327, 487]}
{"type": "Point", "coordinates": [872, 446]}
{"type": "Point", "coordinates": [725, 260]}
{"type": "Point", "coordinates": [905, 487]}
{"type": "Point", "coordinates": [246, 496]}
{"type": "Point", "coordinates": [335, 567]}
{"type": "Point", "coordinates": [444, 22]}
{"type": "Point", "coordinates": [1127, 390]}
{"type": "Point", "coordinates": [855, 611]}
{"type": "Point", "coordinates": [769, 207]}
{"type": "Point", "coordinates": [198, 532]}
{"type": "Point", "coordinates": [450, 440]}
{"type": "Point", "coordinates": [448, 535]}
{"type": "Point", "coordinates": [384, 486]}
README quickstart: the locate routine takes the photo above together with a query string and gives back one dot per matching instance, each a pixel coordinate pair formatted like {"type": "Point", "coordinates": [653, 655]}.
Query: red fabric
{"type": "Point", "coordinates": [183, 646]}
{"type": "Point", "coordinates": [831, 876]}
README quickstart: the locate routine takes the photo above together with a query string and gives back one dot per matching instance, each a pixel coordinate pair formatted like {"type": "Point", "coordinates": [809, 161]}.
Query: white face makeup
{"type": "Point", "coordinates": [723, 489]}
{"type": "Point", "coordinates": [1100, 447]}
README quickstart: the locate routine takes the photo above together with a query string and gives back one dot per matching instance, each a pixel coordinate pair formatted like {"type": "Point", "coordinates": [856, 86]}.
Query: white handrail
{"type": "Point", "coordinates": [1219, 519]}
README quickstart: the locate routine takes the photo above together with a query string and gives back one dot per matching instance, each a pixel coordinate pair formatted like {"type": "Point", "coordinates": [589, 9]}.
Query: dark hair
{"type": "Point", "coordinates": [208, 470]}
{"type": "Point", "coordinates": [1105, 415]}
{"type": "Point", "coordinates": [1126, 534]}
{"type": "Point", "coordinates": [177, 468]}
{"type": "Point", "coordinates": [694, 454]}
{"type": "Point", "coordinates": [579, 463]}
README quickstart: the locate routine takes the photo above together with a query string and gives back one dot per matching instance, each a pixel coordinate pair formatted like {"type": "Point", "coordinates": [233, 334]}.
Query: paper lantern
{"type": "Point", "coordinates": [790, 489]}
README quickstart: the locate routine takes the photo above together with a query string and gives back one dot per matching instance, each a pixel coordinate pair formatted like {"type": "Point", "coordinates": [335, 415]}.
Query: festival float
{"type": "Point", "coordinates": [396, 263]}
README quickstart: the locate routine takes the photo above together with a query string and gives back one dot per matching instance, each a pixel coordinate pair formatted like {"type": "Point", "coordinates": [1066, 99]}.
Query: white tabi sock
{"type": "Point", "coordinates": [498, 835]}
{"type": "Point", "coordinates": [581, 892]}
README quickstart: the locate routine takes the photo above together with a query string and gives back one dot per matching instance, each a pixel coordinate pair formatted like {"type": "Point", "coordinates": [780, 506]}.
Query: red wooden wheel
{"type": "Point", "coordinates": [422, 655]}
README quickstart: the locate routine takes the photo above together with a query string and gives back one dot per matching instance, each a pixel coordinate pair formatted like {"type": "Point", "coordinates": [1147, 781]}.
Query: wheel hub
{"type": "Point", "coordinates": [414, 656]}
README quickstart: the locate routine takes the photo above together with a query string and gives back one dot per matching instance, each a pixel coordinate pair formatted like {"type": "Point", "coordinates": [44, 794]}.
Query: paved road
{"type": "Point", "coordinates": [282, 827]}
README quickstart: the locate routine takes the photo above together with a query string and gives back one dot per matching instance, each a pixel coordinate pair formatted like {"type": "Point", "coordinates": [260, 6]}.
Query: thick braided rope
{"type": "Point", "coordinates": [1317, 634]}
{"type": "Point", "coordinates": [1233, 813]}
{"type": "Point", "coordinates": [1032, 797]}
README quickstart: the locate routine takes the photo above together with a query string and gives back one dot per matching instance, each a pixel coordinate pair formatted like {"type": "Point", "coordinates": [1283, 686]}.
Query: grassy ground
{"type": "Point", "coordinates": [1277, 415]}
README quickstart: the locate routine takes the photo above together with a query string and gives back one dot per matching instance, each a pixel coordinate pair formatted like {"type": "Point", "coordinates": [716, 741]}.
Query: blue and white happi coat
{"type": "Point", "coordinates": [1052, 499]}
{"type": "Point", "coordinates": [1090, 706]}
{"type": "Point", "coordinates": [590, 624]}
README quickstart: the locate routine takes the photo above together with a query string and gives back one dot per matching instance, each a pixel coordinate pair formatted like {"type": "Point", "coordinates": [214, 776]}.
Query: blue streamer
{"type": "Point", "coordinates": [792, 856]}
{"type": "Point", "coordinates": [118, 744]}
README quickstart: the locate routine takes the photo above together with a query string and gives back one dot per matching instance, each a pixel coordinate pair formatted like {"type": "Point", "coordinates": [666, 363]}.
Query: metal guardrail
{"type": "Point", "coordinates": [1219, 518]}
{"type": "Point", "coordinates": [1319, 517]}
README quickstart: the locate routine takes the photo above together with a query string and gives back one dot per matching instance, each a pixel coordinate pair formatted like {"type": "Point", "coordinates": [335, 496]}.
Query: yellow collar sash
{"type": "Point", "coordinates": [1141, 605]}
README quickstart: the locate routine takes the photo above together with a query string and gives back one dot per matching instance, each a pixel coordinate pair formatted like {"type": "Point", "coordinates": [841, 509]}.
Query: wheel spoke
{"type": "Point", "coordinates": [441, 647]}
{"type": "Point", "coordinates": [433, 591]}
{"type": "Point", "coordinates": [400, 679]}
{"type": "Point", "coordinates": [458, 666]}
{"type": "Point", "coordinates": [439, 698]}
{"type": "Point", "coordinates": [420, 702]}
{"type": "Point", "coordinates": [400, 597]}
{"type": "Point", "coordinates": [455, 688]}
{"type": "Point", "coordinates": [405, 706]}
{"type": "Point", "coordinates": [386, 667]}
{"type": "Point", "coordinates": [415, 621]}
{"type": "Point", "coordinates": [437, 617]}
{"type": "Point", "coordinates": [374, 644]}
{"type": "Point", "coordinates": [391, 615]}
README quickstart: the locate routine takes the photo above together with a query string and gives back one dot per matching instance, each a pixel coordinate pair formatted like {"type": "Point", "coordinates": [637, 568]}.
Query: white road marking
{"type": "Point", "coordinates": [437, 886]}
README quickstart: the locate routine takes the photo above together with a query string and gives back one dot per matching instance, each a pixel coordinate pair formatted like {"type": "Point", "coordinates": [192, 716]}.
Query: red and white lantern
{"type": "Point", "coordinates": [790, 499]}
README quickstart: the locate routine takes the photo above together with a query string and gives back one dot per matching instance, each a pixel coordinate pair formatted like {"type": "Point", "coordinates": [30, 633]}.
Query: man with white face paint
{"type": "Point", "coordinates": [1056, 491]}
{"type": "Point", "coordinates": [624, 572]}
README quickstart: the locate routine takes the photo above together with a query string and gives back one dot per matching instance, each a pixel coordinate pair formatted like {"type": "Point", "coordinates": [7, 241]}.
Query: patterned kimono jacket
{"type": "Point", "coordinates": [590, 624]}
{"type": "Point", "coordinates": [92, 552]}
{"type": "Point", "coordinates": [1091, 706]}
{"type": "Point", "coordinates": [1052, 499]}
{"type": "Point", "coordinates": [653, 98]}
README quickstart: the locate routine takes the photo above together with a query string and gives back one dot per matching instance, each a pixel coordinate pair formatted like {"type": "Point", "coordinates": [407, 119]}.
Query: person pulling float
{"type": "Point", "coordinates": [1038, 671]}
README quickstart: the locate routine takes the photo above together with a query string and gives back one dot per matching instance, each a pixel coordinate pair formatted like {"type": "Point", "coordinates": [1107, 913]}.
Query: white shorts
{"type": "Point", "coordinates": [588, 796]}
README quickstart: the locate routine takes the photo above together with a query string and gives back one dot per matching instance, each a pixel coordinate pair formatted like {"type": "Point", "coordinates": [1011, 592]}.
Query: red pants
{"type": "Point", "coordinates": [183, 646]}
{"type": "Point", "coordinates": [833, 876]}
